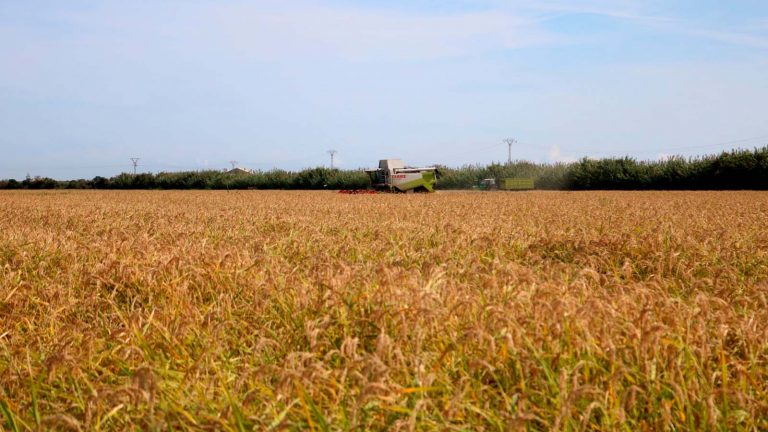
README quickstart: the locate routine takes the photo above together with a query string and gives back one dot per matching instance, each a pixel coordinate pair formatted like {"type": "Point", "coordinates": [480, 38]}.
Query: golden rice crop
{"type": "Point", "coordinates": [449, 311]}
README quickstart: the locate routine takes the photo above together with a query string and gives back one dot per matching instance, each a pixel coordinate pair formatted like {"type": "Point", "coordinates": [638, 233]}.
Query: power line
{"type": "Point", "coordinates": [474, 150]}
{"type": "Point", "coordinates": [509, 142]}
{"type": "Point", "coordinates": [135, 161]}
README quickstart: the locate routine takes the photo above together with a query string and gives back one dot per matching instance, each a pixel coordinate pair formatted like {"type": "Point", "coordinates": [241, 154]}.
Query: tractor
{"type": "Point", "coordinates": [487, 184]}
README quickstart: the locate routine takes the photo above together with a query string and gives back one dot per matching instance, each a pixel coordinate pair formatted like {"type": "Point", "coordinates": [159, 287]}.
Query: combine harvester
{"type": "Point", "coordinates": [393, 176]}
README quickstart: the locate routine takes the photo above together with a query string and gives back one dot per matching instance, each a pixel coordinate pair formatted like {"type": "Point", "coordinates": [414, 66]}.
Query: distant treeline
{"type": "Point", "coordinates": [736, 169]}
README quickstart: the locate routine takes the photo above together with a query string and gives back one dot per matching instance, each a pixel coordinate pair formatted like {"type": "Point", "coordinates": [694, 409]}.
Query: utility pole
{"type": "Point", "coordinates": [135, 164]}
{"type": "Point", "coordinates": [332, 153]}
{"type": "Point", "coordinates": [509, 142]}
{"type": "Point", "coordinates": [234, 163]}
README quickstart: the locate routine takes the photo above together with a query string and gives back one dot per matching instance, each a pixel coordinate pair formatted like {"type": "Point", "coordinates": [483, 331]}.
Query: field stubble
{"type": "Point", "coordinates": [495, 311]}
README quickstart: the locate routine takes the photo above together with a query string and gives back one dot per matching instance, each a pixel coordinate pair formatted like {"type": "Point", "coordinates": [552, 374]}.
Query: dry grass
{"type": "Point", "coordinates": [311, 310]}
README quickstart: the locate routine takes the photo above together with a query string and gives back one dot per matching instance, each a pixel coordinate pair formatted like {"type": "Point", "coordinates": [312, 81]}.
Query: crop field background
{"type": "Point", "coordinates": [452, 311]}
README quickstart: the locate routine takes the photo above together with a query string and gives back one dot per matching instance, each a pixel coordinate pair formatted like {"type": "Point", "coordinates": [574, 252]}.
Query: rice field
{"type": "Point", "coordinates": [290, 310]}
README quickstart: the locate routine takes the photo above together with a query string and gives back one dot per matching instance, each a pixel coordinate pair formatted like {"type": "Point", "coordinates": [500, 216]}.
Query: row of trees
{"type": "Point", "coordinates": [314, 178]}
{"type": "Point", "coordinates": [740, 169]}
{"type": "Point", "coordinates": [737, 169]}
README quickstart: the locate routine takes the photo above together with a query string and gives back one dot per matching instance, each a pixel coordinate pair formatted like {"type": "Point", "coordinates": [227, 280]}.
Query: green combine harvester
{"type": "Point", "coordinates": [393, 176]}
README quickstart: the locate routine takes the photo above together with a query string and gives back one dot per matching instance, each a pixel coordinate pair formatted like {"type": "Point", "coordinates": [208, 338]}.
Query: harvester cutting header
{"type": "Point", "coordinates": [392, 175]}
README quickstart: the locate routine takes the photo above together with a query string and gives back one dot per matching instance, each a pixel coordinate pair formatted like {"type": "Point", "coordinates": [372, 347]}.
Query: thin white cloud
{"type": "Point", "coordinates": [365, 34]}
{"type": "Point", "coordinates": [620, 9]}
{"type": "Point", "coordinates": [749, 35]}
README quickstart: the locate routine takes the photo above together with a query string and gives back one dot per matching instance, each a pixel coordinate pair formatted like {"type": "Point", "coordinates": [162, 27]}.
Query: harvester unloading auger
{"type": "Point", "coordinates": [393, 176]}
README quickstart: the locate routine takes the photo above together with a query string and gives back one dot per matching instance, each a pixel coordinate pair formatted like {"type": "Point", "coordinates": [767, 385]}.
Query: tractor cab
{"type": "Point", "coordinates": [487, 184]}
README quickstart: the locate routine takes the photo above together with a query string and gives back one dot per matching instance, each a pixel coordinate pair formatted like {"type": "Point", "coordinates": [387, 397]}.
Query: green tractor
{"type": "Point", "coordinates": [487, 184]}
{"type": "Point", "coordinates": [508, 184]}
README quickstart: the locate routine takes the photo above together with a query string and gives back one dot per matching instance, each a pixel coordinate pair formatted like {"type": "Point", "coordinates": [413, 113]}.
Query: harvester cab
{"type": "Point", "coordinates": [392, 175]}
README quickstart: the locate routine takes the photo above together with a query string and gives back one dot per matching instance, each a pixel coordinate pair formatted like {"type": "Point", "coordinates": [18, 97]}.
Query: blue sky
{"type": "Point", "coordinates": [85, 85]}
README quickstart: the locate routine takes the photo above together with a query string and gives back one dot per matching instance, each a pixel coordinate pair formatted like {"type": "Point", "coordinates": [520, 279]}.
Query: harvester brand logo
{"type": "Point", "coordinates": [399, 176]}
